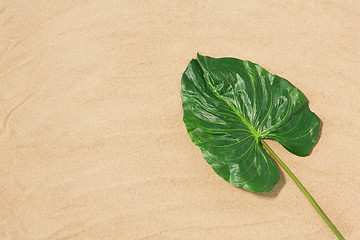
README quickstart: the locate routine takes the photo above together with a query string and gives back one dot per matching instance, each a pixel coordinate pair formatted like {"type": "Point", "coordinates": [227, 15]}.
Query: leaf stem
{"type": "Point", "coordinates": [302, 188]}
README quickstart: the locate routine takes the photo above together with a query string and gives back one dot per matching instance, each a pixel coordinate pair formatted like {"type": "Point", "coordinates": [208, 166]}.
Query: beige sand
{"type": "Point", "coordinates": [92, 142]}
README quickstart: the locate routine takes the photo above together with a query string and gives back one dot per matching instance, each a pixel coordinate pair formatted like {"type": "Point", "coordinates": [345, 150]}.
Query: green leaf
{"type": "Point", "coordinates": [230, 104]}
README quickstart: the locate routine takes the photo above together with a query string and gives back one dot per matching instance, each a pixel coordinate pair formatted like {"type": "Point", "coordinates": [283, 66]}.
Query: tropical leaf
{"type": "Point", "coordinates": [230, 105]}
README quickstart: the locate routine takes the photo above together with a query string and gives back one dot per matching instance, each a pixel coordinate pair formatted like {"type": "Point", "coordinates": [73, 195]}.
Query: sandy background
{"type": "Point", "coordinates": [92, 143]}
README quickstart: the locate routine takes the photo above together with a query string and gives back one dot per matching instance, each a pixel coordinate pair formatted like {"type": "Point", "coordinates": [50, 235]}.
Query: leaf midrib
{"type": "Point", "coordinates": [254, 132]}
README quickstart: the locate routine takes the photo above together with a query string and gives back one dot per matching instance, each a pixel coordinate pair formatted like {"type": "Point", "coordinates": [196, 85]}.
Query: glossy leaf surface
{"type": "Point", "coordinates": [230, 104]}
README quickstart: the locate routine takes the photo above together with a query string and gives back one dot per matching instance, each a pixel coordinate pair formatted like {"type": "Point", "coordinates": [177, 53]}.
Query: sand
{"type": "Point", "coordinates": [92, 143]}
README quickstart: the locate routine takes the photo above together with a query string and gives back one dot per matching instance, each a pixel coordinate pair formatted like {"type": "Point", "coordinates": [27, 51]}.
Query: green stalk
{"type": "Point", "coordinates": [302, 188]}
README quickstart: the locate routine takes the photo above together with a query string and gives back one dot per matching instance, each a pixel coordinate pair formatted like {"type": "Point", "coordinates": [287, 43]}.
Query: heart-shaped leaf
{"type": "Point", "coordinates": [230, 105]}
